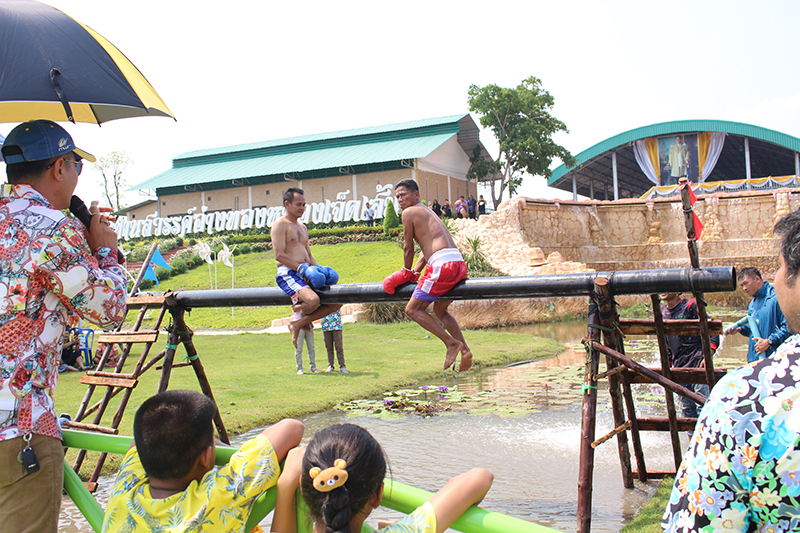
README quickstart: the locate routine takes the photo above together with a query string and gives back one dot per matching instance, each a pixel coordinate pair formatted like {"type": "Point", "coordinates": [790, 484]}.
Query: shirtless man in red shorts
{"type": "Point", "coordinates": [445, 269]}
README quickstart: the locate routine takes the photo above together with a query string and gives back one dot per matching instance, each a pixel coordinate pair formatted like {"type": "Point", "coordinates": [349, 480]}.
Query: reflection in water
{"type": "Point", "coordinates": [533, 454]}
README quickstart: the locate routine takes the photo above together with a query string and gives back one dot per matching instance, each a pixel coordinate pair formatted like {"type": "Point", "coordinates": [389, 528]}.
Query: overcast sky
{"type": "Point", "coordinates": [246, 71]}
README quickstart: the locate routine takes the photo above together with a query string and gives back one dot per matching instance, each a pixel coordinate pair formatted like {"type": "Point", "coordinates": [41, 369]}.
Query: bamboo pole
{"type": "Point", "coordinates": [181, 331]}
{"type": "Point", "coordinates": [666, 370]}
{"type": "Point", "coordinates": [588, 422]}
{"type": "Point", "coordinates": [694, 257]}
{"type": "Point", "coordinates": [608, 319]}
{"type": "Point", "coordinates": [616, 431]}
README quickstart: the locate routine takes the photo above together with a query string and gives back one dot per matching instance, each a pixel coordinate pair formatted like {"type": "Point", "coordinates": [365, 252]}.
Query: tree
{"type": "Point", "coordinates": [391, 220]}
{"type": "Point", "coordinates": [112, 167]}
{"type": "Point", "coordinates": [521, 121]}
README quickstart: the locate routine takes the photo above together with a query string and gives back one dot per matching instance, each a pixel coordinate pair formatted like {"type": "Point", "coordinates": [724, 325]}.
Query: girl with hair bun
{"type": "Point", "coordinates": [342, 482]}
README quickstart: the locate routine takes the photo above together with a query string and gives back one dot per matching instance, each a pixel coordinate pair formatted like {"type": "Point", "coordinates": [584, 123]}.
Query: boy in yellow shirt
{"type": "Point", "coordinates": [167, 481]}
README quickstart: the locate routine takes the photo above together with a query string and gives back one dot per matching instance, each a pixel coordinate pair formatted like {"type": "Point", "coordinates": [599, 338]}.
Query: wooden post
{"type": "Point", "coordinates": [688, 216]}
{"type": "Point", "coordinates": [182, 331]}
{"type": "Point", "coordinates": [666, 371]}
{"type": "Point", "coordinates": [608, 319]}
{"type": "Point", "coordinates": [588, 419]}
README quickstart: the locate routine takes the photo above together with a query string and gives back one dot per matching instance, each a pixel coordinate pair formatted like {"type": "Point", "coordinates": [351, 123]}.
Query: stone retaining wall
{"type": "Point", "coordinates": [526, 236]}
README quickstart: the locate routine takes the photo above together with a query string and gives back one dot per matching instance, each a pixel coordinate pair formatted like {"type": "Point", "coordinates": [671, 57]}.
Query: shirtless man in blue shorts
{"type": "Point", "coordinates": [446, 268]}
{"type": "Point", "coordinates": [297, 269]}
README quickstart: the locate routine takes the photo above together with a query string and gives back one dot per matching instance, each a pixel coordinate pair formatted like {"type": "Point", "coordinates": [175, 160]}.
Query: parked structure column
{"type": "Point", "coordinates": [614, 174]}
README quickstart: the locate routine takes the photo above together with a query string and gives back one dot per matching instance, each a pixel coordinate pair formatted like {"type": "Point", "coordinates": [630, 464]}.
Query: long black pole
{"type": "Point", "coordinates": [711, 279]}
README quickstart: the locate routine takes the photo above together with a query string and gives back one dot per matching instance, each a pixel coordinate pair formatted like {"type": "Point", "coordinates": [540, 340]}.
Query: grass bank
{"type": "Point", "coordinates": [254, 381]}
{"type": "Point", "coordinates": [649, 518]}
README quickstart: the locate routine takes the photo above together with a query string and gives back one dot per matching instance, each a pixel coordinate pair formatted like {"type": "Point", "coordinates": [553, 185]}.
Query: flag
{"type": "Point", "coordinates": [149, 273]}
{"type": "Point", "coordinates": [698, 226]}
{"type": "Point", "coordinates": [159, 260]}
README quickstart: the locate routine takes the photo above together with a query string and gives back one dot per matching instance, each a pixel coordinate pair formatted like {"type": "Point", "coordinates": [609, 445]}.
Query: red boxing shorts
{"type": "Point", "coordinates": [445, 269]}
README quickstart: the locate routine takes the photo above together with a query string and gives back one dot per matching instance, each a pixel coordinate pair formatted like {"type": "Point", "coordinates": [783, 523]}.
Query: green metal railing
{"type": "Point", "coordinates": [396, 496]}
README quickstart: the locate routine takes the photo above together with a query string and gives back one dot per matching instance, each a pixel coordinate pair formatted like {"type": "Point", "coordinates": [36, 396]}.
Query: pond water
{"type": "Point", "coordinates": [522, 423]}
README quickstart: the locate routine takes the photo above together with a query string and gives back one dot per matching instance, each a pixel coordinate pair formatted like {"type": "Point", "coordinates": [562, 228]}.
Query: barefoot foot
{"type": "Point", "coordinates": [452, 353]}
{"type": "Point", "coordinates": [294, 329]}
{"type": "Point", "coordinates": [466, 360]}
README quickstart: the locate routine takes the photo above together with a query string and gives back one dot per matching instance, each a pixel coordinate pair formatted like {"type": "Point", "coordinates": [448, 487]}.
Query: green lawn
{"type": "Point", "coordinates": [254, 381]}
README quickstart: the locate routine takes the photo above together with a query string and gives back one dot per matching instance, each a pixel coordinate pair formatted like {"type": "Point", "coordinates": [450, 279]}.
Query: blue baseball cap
{"type": "Point", "coordinates": [38, 140]}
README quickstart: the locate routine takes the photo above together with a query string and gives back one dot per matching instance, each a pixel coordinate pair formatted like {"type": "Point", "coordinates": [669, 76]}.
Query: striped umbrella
{"type": "Point", "coordinates": [53, 67]}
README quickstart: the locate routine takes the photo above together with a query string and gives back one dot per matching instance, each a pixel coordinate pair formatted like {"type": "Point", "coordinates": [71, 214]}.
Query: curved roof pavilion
{"type": "Point", "coordinates": [609, 170]}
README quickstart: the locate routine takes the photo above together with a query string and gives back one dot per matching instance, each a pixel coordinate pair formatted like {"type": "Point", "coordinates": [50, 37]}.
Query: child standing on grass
{"type": "Point", "coordinates": [332, 334]}
{"type": "Point", "coordinates": [168, 482]}
{"type": "Point", "coordinates": [306, 334]}
{"type": "Point", "coordinates": [342, 482]}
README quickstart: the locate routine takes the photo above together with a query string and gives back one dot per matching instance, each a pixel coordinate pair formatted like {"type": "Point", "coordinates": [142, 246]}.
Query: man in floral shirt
{"type": "Point", "coordinates": [742, 469]}
{"type": "Point", "coordinates": [50, 266]}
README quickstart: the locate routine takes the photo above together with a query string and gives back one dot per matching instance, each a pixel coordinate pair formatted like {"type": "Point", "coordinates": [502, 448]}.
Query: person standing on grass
{"type": "Point", "coordinates": [296, 265]}
{"type": "Point", "coordinates": [332, 333]}
{"type": "Point", "coordinates": [445, 269]}
{"type": "Point", "coordinates": [308, 337]}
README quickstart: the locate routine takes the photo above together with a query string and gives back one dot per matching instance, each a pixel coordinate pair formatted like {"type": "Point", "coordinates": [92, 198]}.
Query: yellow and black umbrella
{"type": "Point", "coordinates": [53, 67]}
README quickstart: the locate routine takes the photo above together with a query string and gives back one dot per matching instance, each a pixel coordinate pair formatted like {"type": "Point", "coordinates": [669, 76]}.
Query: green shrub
{"type": "Point", "coordinates": [192, 242]}
{"type": "Point", "coordinates": [162, 274]}
{"type": "Point", "coordinates": [145, 285]}
{"type": "Point", "coordinates": [391, 221]}
{"type": "Point", "coordinates": [137, 254]}
{"type": "Point", "coordinates": [178, 242]}
{"type": "Point", "coordinates": [165, 245]}
{"type": "Point", "coordinates": [260, 247]}
{"type": "Point", "coordinates": [179, 266]}
{"type": "Point", "coordinates": [245, 248]}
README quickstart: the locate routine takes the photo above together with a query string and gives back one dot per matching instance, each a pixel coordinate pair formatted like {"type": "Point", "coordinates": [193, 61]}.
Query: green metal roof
{"type": "Point", "coordinates": [679, 126]}
{"type": "Point", "coordinates": [309, 156]}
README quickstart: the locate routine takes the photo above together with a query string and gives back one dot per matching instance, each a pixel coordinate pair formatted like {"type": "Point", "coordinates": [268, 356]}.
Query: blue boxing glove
{"type": "Point", "coordinates": [315, 276]}
{"type": "Point", "coordinates": [301, 270]}
{"type": "Point", "coordinates": [331, 276]}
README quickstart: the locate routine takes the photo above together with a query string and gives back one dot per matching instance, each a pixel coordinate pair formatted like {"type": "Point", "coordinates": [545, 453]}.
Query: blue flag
{"type": "Point", "coordinates": [159, 260]}
{"type": "Point", "coordinates": [149, 273]}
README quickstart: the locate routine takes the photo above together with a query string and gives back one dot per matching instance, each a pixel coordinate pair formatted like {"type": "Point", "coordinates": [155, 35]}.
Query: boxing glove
{"type": "Point", "coordinates": [331, 276]}
{"type": "Point", "coordinates": [400, 277]}
{"type": "Point", "coordinates": [315, 276]}
{"type": "Point", "coordinates": [301, 270]}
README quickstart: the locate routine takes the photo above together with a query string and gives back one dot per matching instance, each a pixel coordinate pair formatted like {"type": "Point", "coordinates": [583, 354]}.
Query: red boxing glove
{"type": "Point", "coordinates": [400, 277]}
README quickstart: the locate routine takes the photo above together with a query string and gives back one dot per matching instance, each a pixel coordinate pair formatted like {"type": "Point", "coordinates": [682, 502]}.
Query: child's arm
{"type": "Point", "coordinates": [458, 495]}
{"type": "Point", "coordinates": [284, 436]}
{"type": "Point", "coordinates": [285, 518]}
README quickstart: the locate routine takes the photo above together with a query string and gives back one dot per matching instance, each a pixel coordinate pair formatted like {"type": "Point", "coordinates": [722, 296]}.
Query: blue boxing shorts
{"type": "Point", "coordinates": [289, 281]}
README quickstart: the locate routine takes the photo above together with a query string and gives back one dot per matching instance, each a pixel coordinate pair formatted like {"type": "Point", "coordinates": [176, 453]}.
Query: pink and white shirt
{"type": "Point", "coordinates": [46, 272]}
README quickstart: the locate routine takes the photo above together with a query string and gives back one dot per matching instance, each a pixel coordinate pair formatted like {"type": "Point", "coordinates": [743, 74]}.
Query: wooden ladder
{"type": "Point", "coordinates": [116, 381]}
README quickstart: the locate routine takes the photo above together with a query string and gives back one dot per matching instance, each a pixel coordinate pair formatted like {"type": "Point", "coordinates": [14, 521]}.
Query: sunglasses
{"type": "Point", "coordinates": [78, 164]}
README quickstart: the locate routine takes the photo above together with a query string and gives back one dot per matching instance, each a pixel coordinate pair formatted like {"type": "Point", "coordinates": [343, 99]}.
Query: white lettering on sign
{"type": "Point", "coordinates": [223, 221]}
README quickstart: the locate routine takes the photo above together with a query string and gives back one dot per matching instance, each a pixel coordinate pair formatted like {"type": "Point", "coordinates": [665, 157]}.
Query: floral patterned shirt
{"type": "Point", "coordinates": [742, 469]}
{"type": "Point", "coordinates": [220, 502]}
{"type": "Point", "coordinates": [332, 322]}
{"type": "Point", "coordinates": [46, 272]}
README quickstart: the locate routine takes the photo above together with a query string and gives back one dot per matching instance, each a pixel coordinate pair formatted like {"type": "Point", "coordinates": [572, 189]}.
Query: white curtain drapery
{"type": "Point", "coordinates": [640, 153]}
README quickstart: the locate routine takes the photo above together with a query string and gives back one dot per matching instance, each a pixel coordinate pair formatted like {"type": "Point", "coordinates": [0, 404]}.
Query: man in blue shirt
{"type": "Point", "coordinates": [767, 313]}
